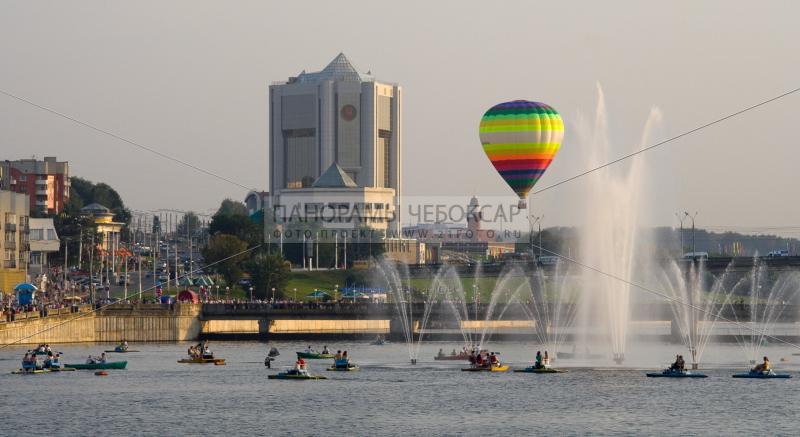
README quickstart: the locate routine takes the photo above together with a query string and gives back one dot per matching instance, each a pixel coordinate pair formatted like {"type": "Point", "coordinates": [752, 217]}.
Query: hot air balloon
{"type": "Point", "coordinates": [521, 138]}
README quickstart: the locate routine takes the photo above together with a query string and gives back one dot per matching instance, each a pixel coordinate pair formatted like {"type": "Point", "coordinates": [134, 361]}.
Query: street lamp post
{"type": "Point", "coordinates": [227, 293]}
{"type": "Point", "coordinates": [251, 294]}
{"type": "Point", "coordinates": [273, 294]}
{"type": "Point", "coordinates": [217, 292]}
{"type": "Point", "coordinates": [692, 216]}
{"type": "Point", "coordinates": [681, 218]}
{"type": "Point", "coordinates": [295, 295]}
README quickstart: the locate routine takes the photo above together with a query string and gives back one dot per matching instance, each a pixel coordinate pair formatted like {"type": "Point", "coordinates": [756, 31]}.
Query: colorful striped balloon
{"type": "Point", "coordinates": [521, 138]}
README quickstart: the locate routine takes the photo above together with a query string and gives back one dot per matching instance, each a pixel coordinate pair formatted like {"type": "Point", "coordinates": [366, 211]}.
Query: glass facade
{"type": "Point", "coordinates": [300, 157]}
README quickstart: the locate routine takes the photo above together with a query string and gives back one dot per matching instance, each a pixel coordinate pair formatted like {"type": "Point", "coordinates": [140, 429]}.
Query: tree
{"type": "Point", "coordinates": [231, 207]}
{"type": "Point", "coordinates": [223, 254]}
{"type": "Point", "coordinates": [190, 222]}
{"type": "Point", "coordinates": [238, 225]}
{"type": "Point", "coordinates": [365, 243]}
{"type": "Point", "coordinates": [267, 272]}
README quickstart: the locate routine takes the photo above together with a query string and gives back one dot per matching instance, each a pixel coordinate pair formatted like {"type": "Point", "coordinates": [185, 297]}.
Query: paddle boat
{"type": "Point", "coordinates": [120, 350]}
{"type": "Point", "coordinates": [295, 374]}
{"type": "Point", "coordinates": [674, 373]}
{"type": "Point", "coordinates": [53, 364]}
{"type": "Point", "coordinates": [762, 374]}
{"type": "Point", "coordinates": [203, 360]}
{"type": "Point", "coordinates": [452, 356]}
{"type": "Point", "coordinates": [534, 369]}
{"type": "Point", "coordinates": [497, 368]}
{"type": "Point", "coordinates": [343, 366]}
{"type": "Point", "coordinates": [315, 355]}
{"type": "Point", "coordinates": [30, 371]}
{"type": "Point", "coordinates": [113, 365]}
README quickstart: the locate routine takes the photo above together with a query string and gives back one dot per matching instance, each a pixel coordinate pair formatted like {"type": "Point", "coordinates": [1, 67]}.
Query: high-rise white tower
{"type": "Point", "coordinates": [340, 116]}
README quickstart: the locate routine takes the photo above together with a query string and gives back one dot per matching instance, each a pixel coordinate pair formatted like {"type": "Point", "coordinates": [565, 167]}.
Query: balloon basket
{"type": "Point", "coordinates": [522, 204]}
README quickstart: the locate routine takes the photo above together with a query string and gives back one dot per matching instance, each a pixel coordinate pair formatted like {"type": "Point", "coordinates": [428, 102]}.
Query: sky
{"type": "Point", "coordinates": [190, 79]}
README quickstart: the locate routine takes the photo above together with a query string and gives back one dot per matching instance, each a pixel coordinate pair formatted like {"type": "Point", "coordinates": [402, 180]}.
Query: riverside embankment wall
{"type": "Point", "coordinates": [135, 323]}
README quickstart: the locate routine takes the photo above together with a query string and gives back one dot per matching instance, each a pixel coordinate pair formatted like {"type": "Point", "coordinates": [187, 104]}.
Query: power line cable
{"type": "Point", "coordinates": [125, 140]}
{"type": "Point", "coordinates": [668, 140]}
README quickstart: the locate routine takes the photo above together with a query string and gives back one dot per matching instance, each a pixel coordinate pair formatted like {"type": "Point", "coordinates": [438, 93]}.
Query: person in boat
{"type": "Point", "coordinates": [345, 358]}
{"type": "Point", "coordinates": [441, 353]}
{"type": "Point", "coordinates": [325, 350]}
{"type": "Point", "coordinates": [453, 353]}
{"type": "Point", "coordinates": [102, 358]}
{"type": "Point", "coordinates": [90, 360]}
{"type": "Point", "coordinates": [26, 361]}
{"type": "Point", "coordinates": [338, 355]}
{"type": "Point", "coordinates": [546, 359]}
{"type": "Point", "coordinates": [493, 361]}
{"type": "Point", "coordinates": [763, 367]}
{"type": "Point", "coordinates": [300, 365]}
{"type": "Point", "coordinates": [538, 363]}
{"type": "Point", "coordinates": [679, 364]}
{"type": "Point", "coordinates": [478, 360]}
{"type": "Point", "coordinates": [309, 350]}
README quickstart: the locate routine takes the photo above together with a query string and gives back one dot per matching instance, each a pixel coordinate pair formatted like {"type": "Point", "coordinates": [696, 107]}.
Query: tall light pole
{"type": "Point", "coordinates": [681, 218]}
{"type": "Point", "coordinates": [295, 295]}
{"type": "Point", "coordinates": [534, 220]}
{"type": "Point", "coordinates": [692, 216]}
{"type": "Point", "coordinates": [273, 294]}
{"type": "Point", "coordinates": [251, 294]}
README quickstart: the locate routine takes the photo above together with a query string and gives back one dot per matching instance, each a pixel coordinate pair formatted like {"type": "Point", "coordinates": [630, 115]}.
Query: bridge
{"type": "Point", "coordinates": [713, 265]}
{"type": "Point", "coordinates": [265, 321]}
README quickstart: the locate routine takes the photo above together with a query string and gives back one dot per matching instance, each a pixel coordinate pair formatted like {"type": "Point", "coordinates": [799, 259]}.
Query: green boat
{"type": "Point", "coordinates": [315, 355]}
{"type": "Point", "coordinates": [117, 365]}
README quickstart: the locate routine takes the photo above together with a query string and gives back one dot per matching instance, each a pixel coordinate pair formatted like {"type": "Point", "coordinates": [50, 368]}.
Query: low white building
{"type": "Point", "coordinates": [335, 201]}
{"type": "Point", "coordinates": [43, 240]}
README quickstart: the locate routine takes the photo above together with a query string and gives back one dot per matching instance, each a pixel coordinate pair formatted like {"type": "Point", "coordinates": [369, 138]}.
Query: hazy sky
{"type": "Point", "coordinates": [191, 78]}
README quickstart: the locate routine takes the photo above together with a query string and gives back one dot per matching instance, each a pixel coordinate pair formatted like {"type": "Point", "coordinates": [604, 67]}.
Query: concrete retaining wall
{"type": "Point", "coordinates": [135, 323]}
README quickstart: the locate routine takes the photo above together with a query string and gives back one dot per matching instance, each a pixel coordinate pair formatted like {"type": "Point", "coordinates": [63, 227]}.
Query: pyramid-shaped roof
{"type": "Point", "coordinates": [334, 177]}
{"type": "Point", "coordinates": [95, 208]}
{"type": "Point", "coordinates": [340, 69]}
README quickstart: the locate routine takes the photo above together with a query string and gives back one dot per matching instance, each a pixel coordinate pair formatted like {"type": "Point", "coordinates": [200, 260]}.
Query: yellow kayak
{"type": "Point", "coordinates": [501, 368]}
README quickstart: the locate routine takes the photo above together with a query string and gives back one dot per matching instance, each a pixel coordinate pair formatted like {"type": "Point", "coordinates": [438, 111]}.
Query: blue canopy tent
{"type": "Point", "coordinates": [25, 293]}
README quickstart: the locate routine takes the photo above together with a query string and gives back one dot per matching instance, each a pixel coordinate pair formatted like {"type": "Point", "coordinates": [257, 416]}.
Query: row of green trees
{"type": "Point", "coordinates": [235, 249]}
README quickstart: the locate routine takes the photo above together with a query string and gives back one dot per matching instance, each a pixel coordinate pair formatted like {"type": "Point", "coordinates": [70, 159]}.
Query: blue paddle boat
{"type": "Point", "coordinates": [760, 374]}
{"type": "Point", "coordinates": [673, 373]}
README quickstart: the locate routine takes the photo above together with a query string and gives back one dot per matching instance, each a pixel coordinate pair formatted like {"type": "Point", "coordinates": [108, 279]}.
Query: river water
{"type": "Point", "coordinates": [157, 396]}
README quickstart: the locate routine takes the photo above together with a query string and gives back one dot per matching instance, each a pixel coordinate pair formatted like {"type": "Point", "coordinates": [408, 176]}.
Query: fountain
{"type": "Point", "coordinates": [765, 297]}
{"type": "Point", "coordinates": [695, 311]}
{"type": "Point", "coordinates": [552, 307]}
{"type": "Point", "coordinates": [400, 293]}
{"type": "Point", "coordinates": [609, 233]}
